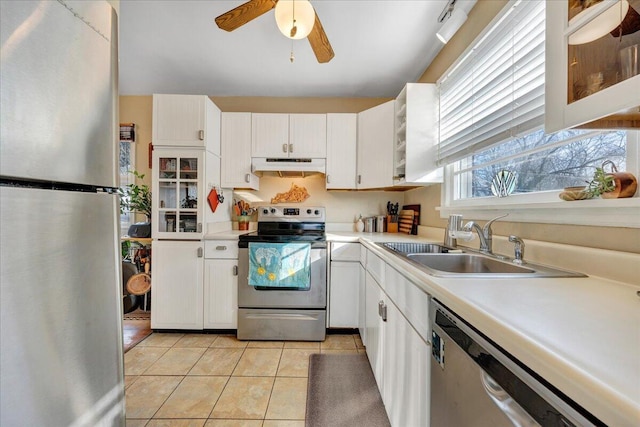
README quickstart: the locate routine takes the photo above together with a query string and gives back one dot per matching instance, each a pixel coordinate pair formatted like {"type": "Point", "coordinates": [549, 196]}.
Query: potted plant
{"type": "Point", "coordinates": [612, 185]}
{"type": "Point", "coordinates": [136, 198]}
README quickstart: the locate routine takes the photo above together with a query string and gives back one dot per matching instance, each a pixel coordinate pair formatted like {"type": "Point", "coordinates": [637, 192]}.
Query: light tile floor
{"type": "Point", "coordinates": [196, 380]}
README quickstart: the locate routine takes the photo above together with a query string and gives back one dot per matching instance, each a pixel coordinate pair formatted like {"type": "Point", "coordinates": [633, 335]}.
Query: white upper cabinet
{"type": "Point", "coordinates": [236, 152]}
{"type": "Point", "coordinates": [308, 136]}
{"type": "Point", "coordinates": [341, 150]}
{"type": "Point", "coordinates": [269, 135]}
{"type": "Point", "coordinates": [186, 121]}
{"type": "Point", "coordinates": [289, 135]}
{"type": "Point", "coordinates": [416, 135]}
{"type": "Point", "coordinates": [590, 80]}
{"type": "Point", "coordinates": [376, 132]}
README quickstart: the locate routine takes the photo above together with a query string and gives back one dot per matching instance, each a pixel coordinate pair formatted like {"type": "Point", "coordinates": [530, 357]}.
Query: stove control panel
{"type": "Point", "coordinates": [290, 213]}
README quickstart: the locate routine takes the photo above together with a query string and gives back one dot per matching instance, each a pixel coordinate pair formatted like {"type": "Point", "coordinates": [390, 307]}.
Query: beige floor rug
{"type": "Point", "coordinates": [343, 392]}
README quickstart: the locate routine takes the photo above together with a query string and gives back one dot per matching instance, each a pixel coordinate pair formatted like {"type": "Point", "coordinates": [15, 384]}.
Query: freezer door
{"type": "Point", "coordinates": [61, 309]}
{"type": "Point", "coordinates": [59, 89]}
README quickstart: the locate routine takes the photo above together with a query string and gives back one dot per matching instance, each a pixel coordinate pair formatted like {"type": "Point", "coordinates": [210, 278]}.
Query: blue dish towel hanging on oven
{"type": "Point", "coordinates": [280, 265]}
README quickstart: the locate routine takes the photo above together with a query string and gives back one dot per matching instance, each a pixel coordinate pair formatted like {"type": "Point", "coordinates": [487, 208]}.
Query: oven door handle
{"type": "Point", "coordinates": [281, 316]}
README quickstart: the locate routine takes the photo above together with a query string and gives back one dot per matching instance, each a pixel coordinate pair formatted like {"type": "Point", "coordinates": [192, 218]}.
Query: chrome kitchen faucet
{"type": "Point", "coordinates": [485, 234]}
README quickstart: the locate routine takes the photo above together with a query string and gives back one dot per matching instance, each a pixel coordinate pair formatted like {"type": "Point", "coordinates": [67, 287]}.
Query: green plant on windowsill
{"type": "Point", "coordinates": [136, 198]}
{"type": "Point", "coordinates": [601, 183]}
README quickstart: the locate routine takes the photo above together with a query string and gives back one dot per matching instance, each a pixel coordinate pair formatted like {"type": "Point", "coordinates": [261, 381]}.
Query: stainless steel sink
{"type": "Point", "coordinates": [415, 248]}
{"type": "Point", "coordinates": [436, 260]}
{"type": "Point", "coordinates": [467, 263]}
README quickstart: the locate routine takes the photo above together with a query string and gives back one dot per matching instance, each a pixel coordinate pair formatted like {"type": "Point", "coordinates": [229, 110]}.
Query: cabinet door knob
{"type": "Point", "coordinates": [247, 178]}
{"type": "Point", "coordinates": [199, 228]}
{"type": "Point", "coordinates": [201, 135]}
{"type": "Point", "coordinates": [221, 248]}
{"type": "Point", "coordinates": [359, 179]}
{"type": "Point", "coordinates": [291, 148]}
{"type": "Point", "coordinates": [235, 270]}
{"type": "Point", "coordinates": [380, 304]}
{"type": "Point", "coordinates": [200, 253]}
{"type": "Point", "coordinates": [285, 147]}
{"type": "Point", "coordinates": [328, 180]}
{"type": "Point", "coordinates": [384, 312]}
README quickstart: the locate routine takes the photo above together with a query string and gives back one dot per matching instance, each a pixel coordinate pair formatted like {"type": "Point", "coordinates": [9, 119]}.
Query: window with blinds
{"type": "Point", "coordinates": [492, 114]}
{"type": "Point", "coordinates": [127, 165]}
{"type": "Point", "coordinates": [496, 90]}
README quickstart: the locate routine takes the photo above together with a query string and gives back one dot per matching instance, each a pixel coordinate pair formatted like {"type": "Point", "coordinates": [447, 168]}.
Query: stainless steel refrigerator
{"type": "Point", "coordinates": [60, 291]}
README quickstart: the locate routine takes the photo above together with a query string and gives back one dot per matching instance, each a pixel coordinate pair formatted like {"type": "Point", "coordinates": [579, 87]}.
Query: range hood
{"type": "Point", "coordinates": [288, 167]}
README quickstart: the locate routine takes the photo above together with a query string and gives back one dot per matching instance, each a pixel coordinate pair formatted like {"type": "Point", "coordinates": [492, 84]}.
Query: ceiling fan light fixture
{"type": "Point", "coordinates": [295, 18]}
{"type": "Point", "coordinates": [602, 24]}
{"type": "Point", "coordinates": [452, 23]}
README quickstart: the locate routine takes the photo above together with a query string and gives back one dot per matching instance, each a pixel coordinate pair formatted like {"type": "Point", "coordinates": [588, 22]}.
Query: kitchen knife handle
{"type": "Point", "coordinates": [284, 147]}
{"type": "Point", "coordinates": [201, 135]}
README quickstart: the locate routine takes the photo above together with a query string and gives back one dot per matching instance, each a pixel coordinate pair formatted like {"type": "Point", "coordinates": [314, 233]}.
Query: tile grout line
{"type": "Point", "coordinates": [228, 380]}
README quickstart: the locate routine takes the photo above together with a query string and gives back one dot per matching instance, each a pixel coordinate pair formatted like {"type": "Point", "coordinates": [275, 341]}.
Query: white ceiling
{"type": "Point", "coordinates": [170, 46]}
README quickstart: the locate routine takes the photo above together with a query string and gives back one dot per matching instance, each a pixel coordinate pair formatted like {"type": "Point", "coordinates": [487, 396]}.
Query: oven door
{"type": "Point", "coordinates": [314, 297]}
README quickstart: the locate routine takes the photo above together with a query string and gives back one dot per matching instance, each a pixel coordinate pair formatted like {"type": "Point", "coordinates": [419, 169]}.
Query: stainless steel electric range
{"type": "Point", "coordinates": [282, 276]}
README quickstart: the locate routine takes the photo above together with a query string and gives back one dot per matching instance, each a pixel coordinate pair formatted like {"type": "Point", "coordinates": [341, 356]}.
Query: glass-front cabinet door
{"type": "Point", "coordinates": [177, 196]}
{"type": "Point", "coordinates": [592, 49]}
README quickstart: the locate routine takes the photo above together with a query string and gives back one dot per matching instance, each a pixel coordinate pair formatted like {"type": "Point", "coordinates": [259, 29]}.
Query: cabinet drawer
{"type": "Point", "coordinates": [375, 267]}
{"type": "Point", "coordinates": [221, 249]}
{"type": "Point", "coordinates": [345, 251]}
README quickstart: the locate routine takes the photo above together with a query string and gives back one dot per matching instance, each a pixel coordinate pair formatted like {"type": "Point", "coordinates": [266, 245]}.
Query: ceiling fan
{"type": "Point", "coordinates": [295, 18]}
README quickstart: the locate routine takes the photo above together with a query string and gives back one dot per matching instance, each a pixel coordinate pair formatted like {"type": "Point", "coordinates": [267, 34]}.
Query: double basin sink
{"type": "Point", "coordinates": [441, 261]}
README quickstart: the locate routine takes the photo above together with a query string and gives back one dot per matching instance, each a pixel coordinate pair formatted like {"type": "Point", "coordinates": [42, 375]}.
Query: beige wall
{"type": "Point", "coordinates": [342, 206]}
{"type": "Point", "coordinates": [258, 104]}
{"type": "Point", "coordinates": [138, 110]}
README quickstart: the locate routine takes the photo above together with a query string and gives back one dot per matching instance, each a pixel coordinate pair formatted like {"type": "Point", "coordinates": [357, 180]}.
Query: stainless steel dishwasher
{"type": "Point", "coordinates": [474, 383]}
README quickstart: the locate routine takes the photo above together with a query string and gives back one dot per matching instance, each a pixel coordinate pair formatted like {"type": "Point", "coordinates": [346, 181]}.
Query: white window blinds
{"type": "Point", "coordinates": [496, 90]}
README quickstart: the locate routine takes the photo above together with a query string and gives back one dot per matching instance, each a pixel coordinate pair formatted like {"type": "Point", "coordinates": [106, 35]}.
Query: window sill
{"type": "Point", "coordinates": [599, 212]}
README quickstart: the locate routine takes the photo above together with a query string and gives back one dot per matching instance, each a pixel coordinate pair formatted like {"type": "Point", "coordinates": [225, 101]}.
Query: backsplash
{"type": "Point", "coordinates": [342, 206]}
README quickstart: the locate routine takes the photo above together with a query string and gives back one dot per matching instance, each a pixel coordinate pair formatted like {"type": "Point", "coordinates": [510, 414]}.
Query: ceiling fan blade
{"type": "Point", "coordinates": [244, 13]}
{"type": "Point", "coordinates": [320, 43]}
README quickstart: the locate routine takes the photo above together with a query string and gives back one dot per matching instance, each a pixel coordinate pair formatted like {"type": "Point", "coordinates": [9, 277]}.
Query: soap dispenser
{"type": "Point", "coordinates": [359, 225]}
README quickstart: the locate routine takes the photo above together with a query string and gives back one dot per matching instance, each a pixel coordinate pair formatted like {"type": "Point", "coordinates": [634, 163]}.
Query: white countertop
{"type": "Point", "coordinates": [580, 334]}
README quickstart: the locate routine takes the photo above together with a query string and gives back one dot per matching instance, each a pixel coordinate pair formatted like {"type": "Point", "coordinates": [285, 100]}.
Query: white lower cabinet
{"type": "Point", "coordinates": [406, 365]}
{"type": "Point", "coordinates": [343, 294]}
{"type": "Point", "coordinates": [344, 283]}
{"type": "Point", "coordinates": [220, 293]}
{"type": "Point", "coordinates": [373, 327]}
{"type": "Point", "coordinates": [221, 284]}
{"type": "Point", "coordinates": [362, 304]}
{"type": "Point", "coordinates": [191, 292]}
{"type": "Point", "coordinates": [399, 355]}
{"type": "Point", "coordinates": [177, 285]}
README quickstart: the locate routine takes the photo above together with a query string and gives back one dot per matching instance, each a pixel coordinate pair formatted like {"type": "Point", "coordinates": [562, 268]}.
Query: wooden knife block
{"type": "Point", "coordinates": [392, 227]}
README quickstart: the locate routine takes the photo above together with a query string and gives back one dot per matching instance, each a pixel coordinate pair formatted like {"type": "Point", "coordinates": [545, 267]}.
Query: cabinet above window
{"type": "Point", "coordinates": [595, 50]}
